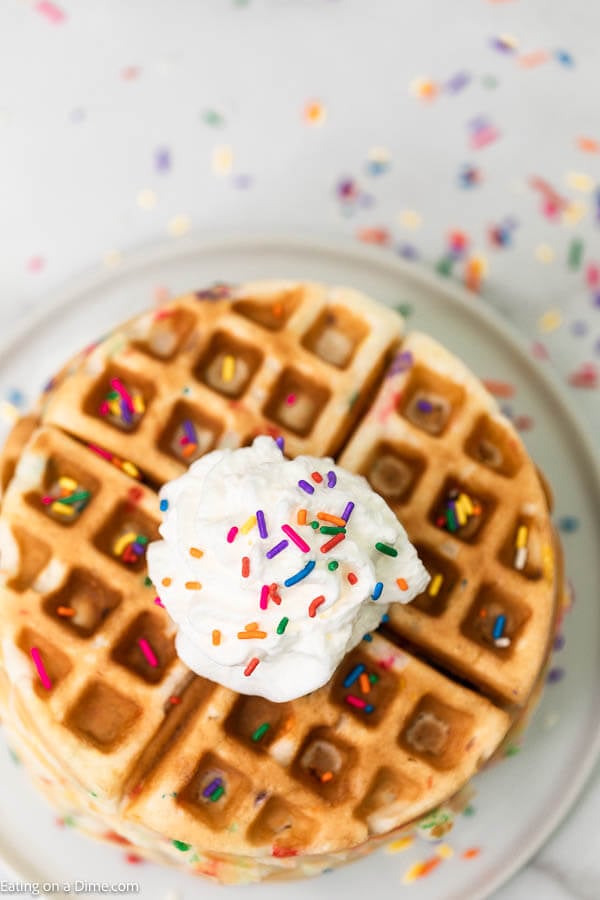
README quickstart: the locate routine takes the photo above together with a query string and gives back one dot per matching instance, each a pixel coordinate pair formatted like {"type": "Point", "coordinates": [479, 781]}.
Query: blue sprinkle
{"type": "Point", "coordinates": [164, 505]}
{"type": "Point", "coordinates": [368, 638]}
{"type": "Point", "coordinates": [353, 675]}
{"type": "Point", "coordinates": [369, 708]}
{"type": "Point", "coordinates": [377, 590]}
{"type": "Point", "coordinates": [568, 524]}
{"type": "Point", "coordinates": [385, 618]}
{"type": "Point", "coordinates": [294, 579]}
{"type": "Point", "coordinates": [499, 626]}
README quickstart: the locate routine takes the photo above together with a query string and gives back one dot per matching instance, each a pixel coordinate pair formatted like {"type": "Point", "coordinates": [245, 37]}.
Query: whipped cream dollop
{"type": "Point", "coordinates": [273, 569]}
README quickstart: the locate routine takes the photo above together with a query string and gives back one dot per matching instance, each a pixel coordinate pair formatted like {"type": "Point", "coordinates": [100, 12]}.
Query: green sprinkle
{"type": "Point", "coordinates": [332, 566]}
{"type": "Point", "coordinates": [373, 678]}
{"type": "Point", "coordinates": [469, 810]}
{"type": "Point", "coordinates": [405, 309]}
{"type": "Point", "coordinates": [147, 581]}
{"type": "Point", "coordinates": [217, 794]}
{"type": "Point", "coordinates": [451, 520]}
{"type": "Point", "coordinates": [282, 625]}
{"type": "Point", "coordinates": [386, 549]}
{"type": "Point", "coordinates": [333, 529]}
{"type": "Point", "coordinates": [69, 821]}
{"type": "Point", "coordinates": [489, 82]}
{"type": "Point", "coordinates": [575, 253]}
{"type": "Point", "coordinates": [14, 757]}
{"type": "Point", "coordinates": [141, 539]}
{"type": "Point", "coordinates": [213, 118]}
{"type": "Point", "coordinates": [512, 750]}
{"type": "Point", "coordinates": [444, 266]}
{"type": "Point", "coordinates": [181, 845]}
{"type": "Point", "coordinates": [260, 731]}
{"type": "Point", "coordinates": [314, 524]}
{"type": "Point", "coordinates": [353, 398]}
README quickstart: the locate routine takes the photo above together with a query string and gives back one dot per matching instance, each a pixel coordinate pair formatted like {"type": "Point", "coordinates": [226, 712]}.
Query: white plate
{"type": "Point", "coordinates": [517, 803]}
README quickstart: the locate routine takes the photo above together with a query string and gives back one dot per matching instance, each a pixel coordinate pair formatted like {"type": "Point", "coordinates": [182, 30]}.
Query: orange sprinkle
{"type": "Point", "coordinates": [335, 520]}
{"type": "Point", "coordinates": [188, 449]}
{"type": "Point", "coordinates": [196, 553]}
{"type": "Point", "coordinates": [247, 635]}
{"type": "Point", "coordinates": [277, 309]}
{"type": "Point", "coordinates": [326, 776]}
{"type": "Point", "coordinates": [216, 637]}
{"type": "Point", "coordinates": [301, 517]}
{"type": "Point", "coordinates": [245, 566]}
{"type": "Point", "coordinates": [471, 853]}
{"type": "Point", "coordinates": [483, 613]}
{"type": "Point", "coordinates": [251, 626]}
{"type": "Point", "coordinates": [275, 598]}
{"type": "Point", "coordinates": [529, 60]}
{"type": "Point", "coordinates": [402, 584]}
{"type": "Point", "coordinates": [588, 145]}
{"type": "Point", "coordinates": [429, 865]}
{"type": "Point", "coordinates": [65, 611]}
{"type": "Point", "coordinates": [365, 684]}
{"type": "Point", "coordinates": [166, 582]}
{"type": "Point", "coordinates": [193, 585]}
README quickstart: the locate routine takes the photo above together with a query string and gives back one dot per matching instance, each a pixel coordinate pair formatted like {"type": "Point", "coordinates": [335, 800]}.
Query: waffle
{"type": "Point", "coordinates": [459, 479]}
{"type": "Point", "coordinates": [115, 726]}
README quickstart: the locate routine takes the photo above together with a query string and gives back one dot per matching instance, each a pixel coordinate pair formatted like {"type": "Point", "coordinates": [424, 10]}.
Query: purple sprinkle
{"type": "Point", "coordinates": [306, 486]}
{"type": "Point", "coordinates": [212, 787]}
{"type": "Point", "coordinates": [457, 82]}
{"type": "Point", "coordinates": [280, 442]}
{"type": "Point", "coordinates": [276, 549]}
{"type": "Point", "coordinates": [162, 159]}
{"type": "Point", "coordinates": [262, 525]}
{"type": "Point", "coordinates": [348, 511]}
{"type": "Point", "coordinates": [331, 479]}
{"type": "Point", "coordinates": [189, 431]}
{"type": "Point", "coordinates": [243, 181]}
{"type": "Point", "coordinates": [555, 675]}
{"type": "Point", "coordinates": [424, 406]}
{"type": "Point", "coordinates": [407, 251]}
{"type": "Point", "coordinates": [402, 362]}
{"type": "Point", "coordinates": [126, 413]}
{"type": "Point", "coordinates": [137, 548]}
{"type": "Point", "coordinates": [559, 641]}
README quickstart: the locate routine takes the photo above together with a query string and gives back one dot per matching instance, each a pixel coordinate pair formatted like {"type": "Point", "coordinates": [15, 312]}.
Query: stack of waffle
{"type": "Point", "coordinates": [114, 728]}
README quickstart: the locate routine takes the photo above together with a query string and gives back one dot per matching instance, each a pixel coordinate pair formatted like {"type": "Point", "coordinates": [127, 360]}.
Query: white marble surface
{"type": "Point", "coordinates": [94, 97]}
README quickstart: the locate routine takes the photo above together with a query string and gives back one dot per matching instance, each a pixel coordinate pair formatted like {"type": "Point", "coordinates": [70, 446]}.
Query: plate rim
{"type": "Point", "coordinates": [155, 253]}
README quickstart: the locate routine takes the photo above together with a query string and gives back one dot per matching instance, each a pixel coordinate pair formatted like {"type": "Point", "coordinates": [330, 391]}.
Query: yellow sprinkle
{"type": "Point", "coordinates": [544, 253]}
{"type": "Point", "coordinates": [8, 412]}
{"type": "Point", "coordinates": [216, 637]}
{"type": "Point", "coordinates": [580, 181]}
{"type": "Point", "coordinates": [465, 501]}
{"type": "Point", "coordinates": [120, 544]}
{"type": "Point", "coordinates": [409, 218]}
{"type": "Point", "coordinates": [196, 553]}
{"type": "Point", "coordinates": [111, 258]}
{"type": "Point", "coordinates": [412, 873]}
{"type": "Point", "coordinates": [62, 509]}
{"type": "Point", "coordinates": [179, 225]}
{"type": "Point", "coordinates": [522, 532]}
{"type": "Point", "coordinates": [444, 851]}
{"type": "Point", "coordinates": [248, 525]}
{"type": "Point", "coordinates": [146, 199]}
{"type": "Point", "coordinates": [114, 407]}
{"type": "Point", "coordinates": [222, 160]}
{"type": "Point", "coordinates": [436, 583]}
{"type": "Point", "coordinates": [69, 484]}
{"type": "Point", "coordinates": [138, 404]}
{"type": "Point", "coordinates": [400, 844]}
{"type": "Point", "coordinates": [130, 469]}
{"type": "Point", "coordinates": [550, 321]}
{"type": "Point", "coordinates": [228, 367]}
{"type": "Point", "coordinates": [166, 582]}
{"type": "Point", "coordinates": [574, 212]}
{"type": "Point", "coordinates": [193, 585]}
{"type": "Point", "coordinates": [460, 513]}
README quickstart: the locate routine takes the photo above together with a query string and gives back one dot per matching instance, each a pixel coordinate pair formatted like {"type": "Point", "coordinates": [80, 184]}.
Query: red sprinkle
{"type": "Point", "coordinates": [245, 566]}
{"type": "Point", "coordinates": [316, 476]}
{"type": "Point", "coordinates": [335, 540]}
{"type": "Point", "coordinates": [175, 700]}
{"type": "Point", "coordinates": [251, 665]}
{"type": "Point", "coordinates": [352, 578]}
{"type": "Point", "coordinates": [315, 604]}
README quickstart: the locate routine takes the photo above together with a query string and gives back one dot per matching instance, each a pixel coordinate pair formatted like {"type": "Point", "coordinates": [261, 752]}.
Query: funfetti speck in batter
{"type": "Point", "coordinates": [273, 569]}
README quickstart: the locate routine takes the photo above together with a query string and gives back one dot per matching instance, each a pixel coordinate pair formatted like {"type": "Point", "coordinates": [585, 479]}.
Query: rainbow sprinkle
{"type": "Point", "coordinates": [66, 499]}
{"type": "Point", "coordinates": [44, 677]}
{"type": "Point", "coordinates": [130, 547]}
{"type": "Point", "coordinates": [122, 407]}
{"type": "Point", "coordinates": [125, 465]}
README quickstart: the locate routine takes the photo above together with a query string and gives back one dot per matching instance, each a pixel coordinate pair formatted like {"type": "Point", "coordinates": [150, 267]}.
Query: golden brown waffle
{"type": "Point", "coordinates": [295, 360]}
{"type": "Point", "coordinates": [146, 748]}
{"type": "Point", "coordinates": [458, 477]}
{"type": "Point", "coordinates": [324, 774]}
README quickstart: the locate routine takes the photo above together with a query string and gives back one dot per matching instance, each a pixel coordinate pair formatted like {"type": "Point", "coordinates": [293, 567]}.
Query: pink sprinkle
{"type": "Point", "coordinates": [231, 534]}
{"type": "Point", "coordinates": [48, 500]}
{"type": "Point", "coordinates": [148, 652]}
{"type": "Point", "coordinates": [103, 410]}
{"type": "Point", "coordinates": [159, 602]}
{"type": "Point", "coordinates": [592, 275]}
{"type": "Point", "coordinates": [290, 399]}
{"type": "Point", "coordinates": [295, 537]}
{"type": "Point", "coordinates": [264, 596]}
{"type": "Point", "coordinates": [44, 678]}
{"type": "Point", "coordinates": [100, 451]}
{"type": "Point", "coordinates": [50, 11]}
{"type": "Point", "coordinates": [118, 386]}
{"type": "Point", "coordinates": [355, 701]}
